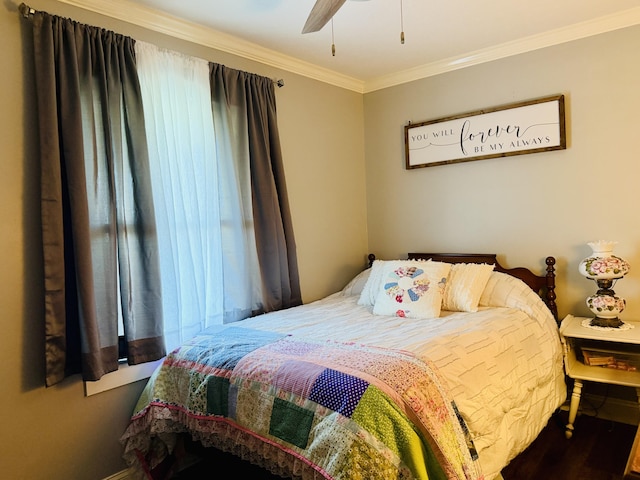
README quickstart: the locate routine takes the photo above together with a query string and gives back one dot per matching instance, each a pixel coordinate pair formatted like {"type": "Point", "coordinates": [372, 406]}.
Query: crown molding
{"type": "Point", "coordinates": [166, 24]}
{"type": "Point", "coordinates": [600, 25]}
{"type": "Point", "coordinates": [192, 32]}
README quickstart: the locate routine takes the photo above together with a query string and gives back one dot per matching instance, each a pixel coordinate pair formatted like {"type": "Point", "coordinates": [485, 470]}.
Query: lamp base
{"type": "Point", "coordinates": [606, 322]}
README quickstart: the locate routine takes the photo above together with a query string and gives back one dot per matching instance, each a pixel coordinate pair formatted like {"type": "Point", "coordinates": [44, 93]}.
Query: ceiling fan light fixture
{"type": "Point", "coordinates": [324, 10]}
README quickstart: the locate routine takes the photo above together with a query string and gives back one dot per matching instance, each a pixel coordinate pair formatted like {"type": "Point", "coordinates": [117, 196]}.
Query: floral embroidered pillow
{"type": "Point", "coordinates": [374, 282]}
{"type": "Point", "coordinates": [411, 289]}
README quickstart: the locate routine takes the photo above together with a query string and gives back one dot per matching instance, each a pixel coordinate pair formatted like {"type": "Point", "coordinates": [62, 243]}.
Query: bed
{"type": "Point", "coordinates": [437, 366]}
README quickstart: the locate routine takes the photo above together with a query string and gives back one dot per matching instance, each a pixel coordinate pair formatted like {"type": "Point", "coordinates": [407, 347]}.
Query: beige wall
{"type": "Point", "coordinates": [58, 433]}
{"type": "Point", "coordinates": [522, 207]}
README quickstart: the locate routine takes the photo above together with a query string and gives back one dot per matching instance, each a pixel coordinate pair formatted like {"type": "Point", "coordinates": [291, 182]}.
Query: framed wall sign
{"type": "Point", "coordinates": [526, 127]}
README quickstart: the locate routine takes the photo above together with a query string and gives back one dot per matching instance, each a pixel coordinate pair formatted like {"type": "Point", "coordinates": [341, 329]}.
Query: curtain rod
{"type": "Point", "coordinates": [25, 10]}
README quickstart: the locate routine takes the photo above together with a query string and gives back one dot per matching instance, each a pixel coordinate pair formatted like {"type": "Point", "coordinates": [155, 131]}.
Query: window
{"type": "Point", "coordinates": [163, 197]}
{"type": "Point", "coordinates": [192, 192]}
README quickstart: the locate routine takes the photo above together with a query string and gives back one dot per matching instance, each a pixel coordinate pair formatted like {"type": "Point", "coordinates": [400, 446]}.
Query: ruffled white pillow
{"type": "Point", "coordinates": [411, 289]}
{"type": "Point", "coordinates": [465, 285]}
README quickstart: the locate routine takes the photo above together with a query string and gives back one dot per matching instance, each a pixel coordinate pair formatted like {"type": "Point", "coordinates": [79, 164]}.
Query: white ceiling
{"type": "Point", "coordinates": [439, 35]}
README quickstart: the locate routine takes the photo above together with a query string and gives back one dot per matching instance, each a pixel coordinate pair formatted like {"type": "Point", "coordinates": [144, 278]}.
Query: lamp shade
{"type": "Point", "coordinates": [602, 264]}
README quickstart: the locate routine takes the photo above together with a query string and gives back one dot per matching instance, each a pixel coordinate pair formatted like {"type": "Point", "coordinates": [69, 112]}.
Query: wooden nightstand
{"type": "Point", "coordinates": [613, 355]}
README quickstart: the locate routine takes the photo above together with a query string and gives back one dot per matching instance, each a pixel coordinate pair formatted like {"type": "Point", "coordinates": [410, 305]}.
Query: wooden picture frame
{"type": "Point", "coordinates": [515, 129]}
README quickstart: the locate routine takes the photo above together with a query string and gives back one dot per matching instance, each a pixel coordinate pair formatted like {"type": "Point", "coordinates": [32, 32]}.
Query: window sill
{"type": "Point", "coordinates": [125, 375]}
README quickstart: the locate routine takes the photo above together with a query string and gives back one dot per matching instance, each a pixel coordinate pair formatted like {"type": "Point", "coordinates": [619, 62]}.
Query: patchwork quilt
{"type": "Point", "coordinates": [345, 410]}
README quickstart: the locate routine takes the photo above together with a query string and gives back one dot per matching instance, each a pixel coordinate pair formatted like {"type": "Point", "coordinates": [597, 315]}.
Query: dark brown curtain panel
{"type": "Point", "coordinates": [99, 240]}
{"type": "Point", "coordinates": [253, 98]}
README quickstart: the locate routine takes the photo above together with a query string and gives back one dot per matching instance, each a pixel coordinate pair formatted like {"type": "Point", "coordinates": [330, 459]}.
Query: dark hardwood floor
{"type": "Point", "coordinates": [598, 450]}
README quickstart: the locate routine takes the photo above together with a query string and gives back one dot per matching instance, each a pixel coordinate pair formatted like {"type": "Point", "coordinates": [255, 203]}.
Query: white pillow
{"type": "Point", "coordinates": [500, 289]}
{"type": "Point", "coordinates": [503, 290]}
{"type": "Point", "coordinates": [465, 285]}
{"type": "Point", "coordinates": [411, 289]}
{"type": "Point", "coordinates": [357, 283]}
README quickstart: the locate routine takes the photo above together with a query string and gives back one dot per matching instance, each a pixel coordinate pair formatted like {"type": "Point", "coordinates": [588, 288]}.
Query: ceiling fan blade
{"type": "Point", "coordinates": [321, 13]}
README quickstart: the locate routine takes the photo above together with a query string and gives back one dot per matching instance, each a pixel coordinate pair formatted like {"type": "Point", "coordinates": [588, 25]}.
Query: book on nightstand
{"type": "Point", "coordinates": [593, 358]}
{"type": "Point", "coordinates": [610, 359]}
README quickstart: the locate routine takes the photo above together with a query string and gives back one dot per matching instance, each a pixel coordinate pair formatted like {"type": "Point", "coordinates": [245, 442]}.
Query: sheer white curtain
{"type": "Point", "coordinates": [185, 179]}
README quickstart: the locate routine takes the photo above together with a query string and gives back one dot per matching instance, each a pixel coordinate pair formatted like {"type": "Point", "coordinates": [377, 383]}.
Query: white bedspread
{"type": "Point", "coordinates": [503, 364]}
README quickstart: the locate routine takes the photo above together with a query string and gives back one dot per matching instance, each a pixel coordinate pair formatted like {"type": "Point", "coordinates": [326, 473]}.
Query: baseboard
{"type": "Point", "coordinates": [610, 408]}
{"type": "Point", "coordinates": [122, 475]}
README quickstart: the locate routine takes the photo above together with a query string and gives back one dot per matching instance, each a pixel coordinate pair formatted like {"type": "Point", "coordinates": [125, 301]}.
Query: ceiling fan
{"type": "Point", "coordinates": [321, 13]}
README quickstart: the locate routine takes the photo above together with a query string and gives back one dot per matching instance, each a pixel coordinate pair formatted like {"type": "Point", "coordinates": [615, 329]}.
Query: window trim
{"type": "Point", "coordinates": [125, 375]}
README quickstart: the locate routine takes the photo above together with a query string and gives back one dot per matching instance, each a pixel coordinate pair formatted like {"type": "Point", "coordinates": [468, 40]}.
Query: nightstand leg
{"type": "Point", "coordinates": [573, 408]}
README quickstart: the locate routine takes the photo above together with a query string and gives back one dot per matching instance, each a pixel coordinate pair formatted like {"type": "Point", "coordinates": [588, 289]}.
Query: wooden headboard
{"type": "Point", "coordinates": [544, 285]}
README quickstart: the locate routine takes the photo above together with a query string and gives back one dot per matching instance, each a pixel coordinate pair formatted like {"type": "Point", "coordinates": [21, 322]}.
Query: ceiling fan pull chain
{"type": "Point", "coordinates": [401, 24]}
{"type": "Point", "coordinates": [333, 45]}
